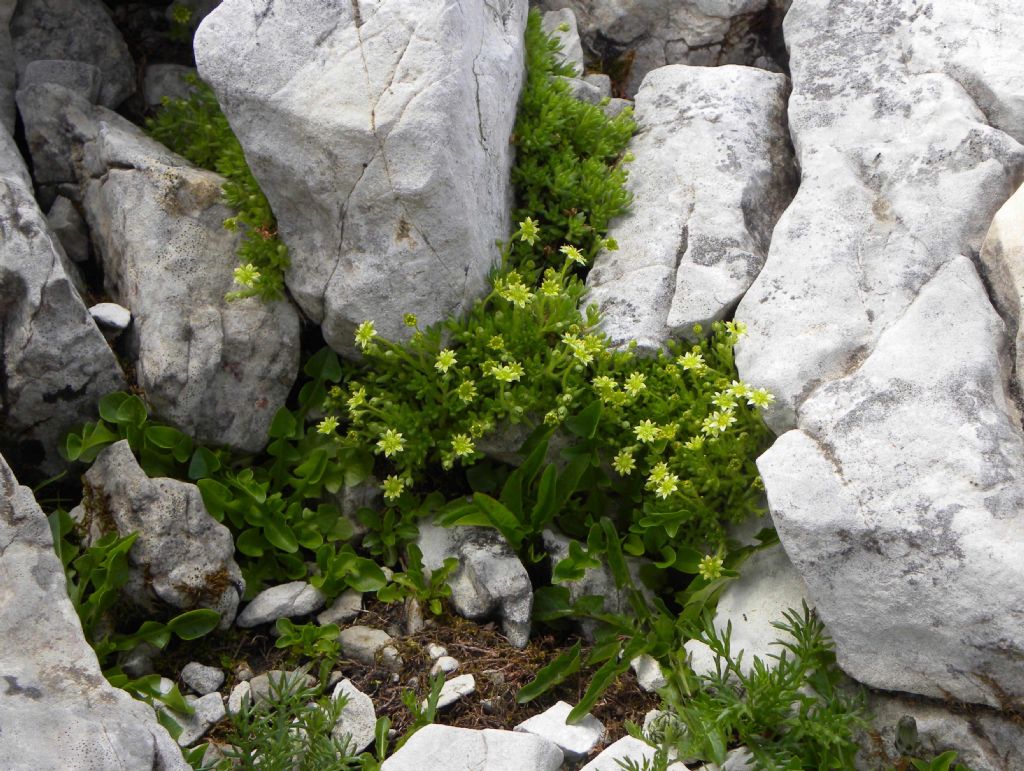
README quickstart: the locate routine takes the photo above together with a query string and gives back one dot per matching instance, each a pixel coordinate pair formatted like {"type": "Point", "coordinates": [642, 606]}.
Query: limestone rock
{"type": "Point", "coordinates": [713, 173]}
{"type": "Point", "coordinates": [627, 748]}
{"type": "Point", "coordinates": [654, 33]}
{"type": "Point", "coordinates": [490, 578]}
{"type": "Point", "coordinates": [166, 80]}
{"type": "Point", "coordinates": [182, 556]}
{"type": "Point", "coordinates": [111, 316]}
{"type": "Point", "coordinates": [463, 749]}
{"type": "Point", "coordinates": [900, 172]}
{"type": "Point", "coordinates": [897, 501]}
{"type": "Point", "coordinates": [346, 607]}
{"type": "Point", "coordinates": [201, 678]}
{"type": "Point", "coordinates": [69, 227]}
{"type": "Point", "coordinates": [454, 689]}
{"type": "Point", "coordinates": [574, 739]}
{"type": "Point", "coordinates": [56, 708]}
{"type": "Point", "coordinates": [209, 710]}
{"type": "Point", "coordinates": [362, 644]}
{"type": "Point", "coordinates": [218, 370]}
{"type": "Point", "coordinates": [374, 128]}
{"type": "Point", "coordinates": [8, 72]}
{"type": "Point", "coordinates": [358, 720]}
{"type": "Point", "coordinates": [297, 598]}
{"type": "Point", "coordinates": [561, 24]}
{"type": "Point", "coordinates": [53, 29]}
{"type": "Point", "coordinates": [260, 687]}
{"type": "Point", "coordinates": [55, 365]}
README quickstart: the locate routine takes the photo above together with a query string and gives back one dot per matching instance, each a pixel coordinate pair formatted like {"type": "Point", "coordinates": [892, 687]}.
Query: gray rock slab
{"type": "Point", "coordinates": [56, 708]}
{"type": "Point", "coordinates": [463, 749]}
{"type": "Point", "coordinates": [897, 501]}
{"type": "Point", "coordinates": [263, 685]}
{"type": "Point", "coordinates": [561, 24]}
{"type": "Point", "coordinates": [345, 607]}
{"type": "Point", "coordinates": [490, 578]}
{"type": "Point", "coordinates": [373, 128]}
{"type": "Point", "coordinates": [713, 171]}
{"type": "Point", "coordinates": [209, 710]}
{"type": "Point", "coordinates": [182, 558]}
{"type": "Point", "coordinates": [215, 368]}
{"type": "Point", "coordinates": [111, 316]}
{"type": "Point", "coordinates": [901, 170]}
{"type": "Point", "coordinates": [53, 29]}
{"type": "Point", "coordinates": [454, 689]}
{"type": "Point", "coordinates": [574, 739]}
{"type": "Point", "coordinates": [8, 70]}
{"type": "Point", "coordinates": [659, 32]}
{"type": "Point", "coordinates": [69, 227]}
{"type": "Point", "coordinates": [363, 644]}
{"type": "Point", "coordinates": [201, 678]}
{"type": "Point", "coordinates": [82, 78]}
{"type": "Point", "coordinates": [297, 598]}
{"type": "Point", "coordinates": [166, 81]}
{"type": "Point", "coordinates": [55, 365]}
{"type": "Point", "coordinates": [358, 721]}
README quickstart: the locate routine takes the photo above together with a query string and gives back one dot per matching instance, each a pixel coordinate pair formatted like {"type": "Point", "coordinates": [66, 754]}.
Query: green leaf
{"type": "Point", "coordinates": [87, 445]}
{"type": "Point", "coordinates": [279, 534]}
{"type": "Point", "coordinates": [546, 506]}
{"type": "Point", "coordinates": [164, 437]}
{"type": "Point", "coordinates": [204, 463]}
{"type": "Point", "coordinates": [324, 365]}
{"type": "Point", "coordinates": [216, 497]}
{"type": "Point", "coordinates": [551, 603]}
{"type": "Point", "coordinates": [599, 683]}
{"type": "Point", "coordinates": [110, 405]}
{"type": "Point", "coordinates": [365, 575]}
{"type": "Point", "coordinates": [563, 666]}
{"type": "Point", "coordinates": [501, 518]}
{"type": "Point", "coordinates": [251, 543]}
{"type": "Point", "coordinates": [283, 425]}
{"type": "Point", "coordinates": [585, 423]}
{"type": "Point", "coordinates": [130, 412]}
{"type": "Point", "coordinates": [194, 623]}
{"type": "Point", "coordinates": [613, 551]}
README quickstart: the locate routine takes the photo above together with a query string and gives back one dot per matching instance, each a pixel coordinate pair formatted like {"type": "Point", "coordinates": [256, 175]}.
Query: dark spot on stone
{"type": "Point", "coordinates": [13, 689]}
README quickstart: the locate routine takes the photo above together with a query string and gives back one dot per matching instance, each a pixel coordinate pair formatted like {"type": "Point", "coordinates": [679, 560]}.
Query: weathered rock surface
{"type": "Point", "coordinates": [453, 690]}
{"type": "Point", "coordinates": [900, 172]}
{"type": "Point", "coordinates": [364, 644]}
{"type": "Point", "coordinates": [166, 80]}
{"type": "Point", "coordinates": [182, 556]}
{"type": "Point", "coordinates": [69, 227]}
{"type": "Point", "coordinates": [201, 678]}
{"type": "Point", "coordinates": [647, 35]}
{"type": "Point", "coordinates": [55, 364]}
{"type": "Point", "coordinates": [56, 708]}
{"type": "Point", "coordinates": [574, 739]}
{"type": "Point", "coordinates": [898, 501]}
{"type": "Point", "coordinates": [490, 578]}
{"type": "Point", "coordinates": [296, 598]}
{"type": "Point", "coordinates": [209, 710]}
{"type": "Point", "coordinates": [983, 740]}
{"type": "Point", "coordinates": [561, 25]}
{"type": "Point", "coordinates": [374, 128]}
{"type": "Point", "coordinates": [713, 173]}
{"type": "Point", "coordinates": [358, 720]}
{"type": "Point", "coordinates": [346, 607]}
{"type": "Point", "coordinates": [54, 29]}
{"type": "Point", "coordinates": [1002, 264]}
{"type": "Point", "coordinates": [83, 78]}
{"type": "Point", "coordinates": [463, 749]}
{"type": "Point", "coordinates": [217, 369]}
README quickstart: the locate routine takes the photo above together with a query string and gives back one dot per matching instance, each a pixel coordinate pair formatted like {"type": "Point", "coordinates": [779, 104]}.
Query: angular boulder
{"type": "Point", "coordinates": [55, 365]}
{"type": "Point", "coordinates": [380, 135]}
{"type": "Point", "coordinates": [901, 170]}
{"type": "Point", "coordinates": [463, 749]}
{"type": "Point", "coordinates": [1002, 265]}
{"type": "Point", "coordinates": [80, 30]}
{"type": "Point", "coordinates": [899, 500]}
{"type": "Point", "coordinates": [713, 171]}
{"type": "Point", "coordinates": [56, 708]}
{"type": "Point", "coordinates": [643, 36]}
{"type": "Point", "coordinates": [182, 557]}
{"type": "Point", "coordinates": [489, 580]}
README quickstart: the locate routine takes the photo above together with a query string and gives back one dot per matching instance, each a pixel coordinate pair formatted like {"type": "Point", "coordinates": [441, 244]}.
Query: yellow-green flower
{"type": "Point", "coordinates": [445, 359]}
{"type": "Point", "coordinates": [247, 275]}
{"type": "Point", "coordinates": [528, 231]}
{"type": "Point", "coordinates": [659, 472]}
{"type": "Point", "coordinates": [462, 445]}
{"type": "Point", "coordinates": [551, 287]}
{"type": "Point", "coordinates": [725, 400]}
{"type": "Point", "coordinates": [496, 343]}
{"type": "Point", "coordinates": [635, 383]}
{"type": "Point", "coordinates": [391, 443]}
{"type": "Point", "coordinates": [737, 328]}
{"type": "Point", "coordinates": [666, 485]}
{"type": "Point", "coordinates": [573, 254]}
{"type": "Point", "coordinates": [410, 319]}
{"type": "Point", "coordinates": [466, 390]}
{"type": "Point", "coordinates": [357, 398]}
{"type": "Point", "coordinates": [760, 398]}
{"type": "Point", "coordinates": [691, 360]}
{"type": "Point", "coordinates": [365, 334]}
{"type": "Point", "coordinates": [610, 244]}
{"type": "Point", "coordinates": [717, 422]}
{"type": "Point", "coordinates": [695, 443]}
{"type": "Point", "coordinates": [739, 389]}
{"type": "Point", "coordinates": [646, 431]}
{"type": "Point", "coordinates": [508, 373]}
{"type": "Point", "coordinates": [327, 425]}
{"type": "Point", "coordinates": [623, 463]}
{"type": "Point", "coordinates": [393, 487]}
{"type": "Point", "coordinates": [710, 567]}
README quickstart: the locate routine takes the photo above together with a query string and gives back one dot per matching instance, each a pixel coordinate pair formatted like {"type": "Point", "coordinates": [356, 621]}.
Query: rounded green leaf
{"type": "Point", "coordinates": [194, 623]}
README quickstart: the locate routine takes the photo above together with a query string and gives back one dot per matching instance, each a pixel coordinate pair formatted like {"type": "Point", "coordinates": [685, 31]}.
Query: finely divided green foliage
{"type": "Point", "coordinates": [197, 129]}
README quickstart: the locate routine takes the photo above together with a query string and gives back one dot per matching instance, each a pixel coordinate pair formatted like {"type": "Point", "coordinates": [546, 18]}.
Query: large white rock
{"type": "Point", "coordinates": [380, 134]}
{"type": "Point", "coordinates": [900, 172]}
{"type": "Point", "coordinates": [56, 708]}
{"type": "Point", "coordinates": [55, 365]}
{"type": "Point", "coordinates": [217, 369]}
{"type": "Point", "coordinates": [182, 557]}
{"type": "Point", "coordinates": [899, 502]}
{"type": "Point", "coordinates": [713, 173]}
{"type": "Point", "coordinates": [290, 600]}
{"type": "Point", "coordinates": [80, 30]}
{"type": "Point", "coordinates": [356, 726]}
{"type": "Point", "coordinates": [490, 579]}
{"type": "Point", "coordinates": [463, 749]}
{"type": "Point", "coordinates": [652, 33]}
{"type": "Point", "coordinates": [574, 739]}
